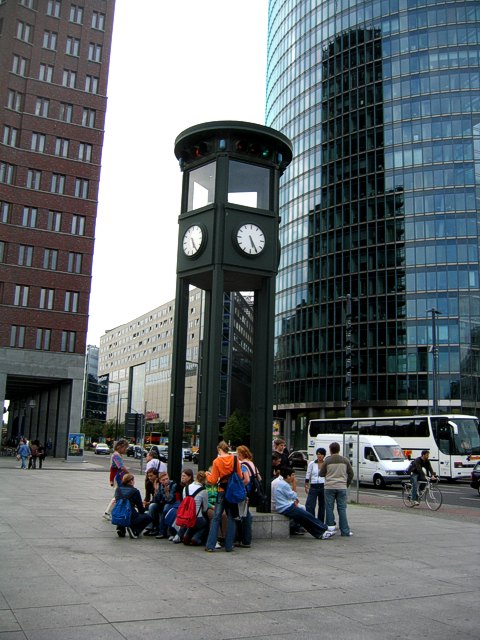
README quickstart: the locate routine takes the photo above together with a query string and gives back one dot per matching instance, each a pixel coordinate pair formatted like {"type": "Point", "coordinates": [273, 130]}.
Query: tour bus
{"type": "Point", "coordinates": [453, 440]}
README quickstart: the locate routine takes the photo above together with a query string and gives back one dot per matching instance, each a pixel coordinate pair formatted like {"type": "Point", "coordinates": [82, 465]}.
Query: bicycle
{"type": "Point", "coordinates": [427, 489]}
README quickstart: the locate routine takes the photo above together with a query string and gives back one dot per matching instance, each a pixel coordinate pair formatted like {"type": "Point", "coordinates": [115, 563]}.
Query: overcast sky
{"type": "Point", "coordinates": [173, 65]}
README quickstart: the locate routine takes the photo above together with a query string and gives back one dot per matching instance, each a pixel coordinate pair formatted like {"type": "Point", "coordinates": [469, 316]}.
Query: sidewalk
{"type": "Point", "coordinates": [66, 576]}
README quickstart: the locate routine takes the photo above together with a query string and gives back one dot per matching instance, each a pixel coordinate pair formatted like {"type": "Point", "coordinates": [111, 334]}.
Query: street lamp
{"type": "Point", "coordinates": [118, 407]}
{"type": "Point", "coordinates": [434, 350]}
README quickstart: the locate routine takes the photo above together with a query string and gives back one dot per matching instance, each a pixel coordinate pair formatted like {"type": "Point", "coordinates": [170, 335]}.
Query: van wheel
{"type": "Point", "coordinates": [378, 482]}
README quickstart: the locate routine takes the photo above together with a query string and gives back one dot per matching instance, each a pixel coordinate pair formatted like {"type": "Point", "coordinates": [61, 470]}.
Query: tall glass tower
{"type": "Point", "coordinates": [378, 293]}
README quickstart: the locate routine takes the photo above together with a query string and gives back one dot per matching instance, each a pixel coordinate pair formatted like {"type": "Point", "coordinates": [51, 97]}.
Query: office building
{"type": "Point", "coordinates": [378, 294]}
{"type": "Point", "coordinates": [95, 388]}
{"type": "Point", "coordinates": [53, 73]}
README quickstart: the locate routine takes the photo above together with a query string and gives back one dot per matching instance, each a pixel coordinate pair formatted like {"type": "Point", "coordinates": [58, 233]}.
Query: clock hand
{"type": "Point", "coordinates": [252, 243]}
{"type": "Point", "coordinates": [194, 245]}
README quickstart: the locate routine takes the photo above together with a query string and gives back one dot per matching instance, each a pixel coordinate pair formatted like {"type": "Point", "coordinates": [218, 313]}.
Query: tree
{"type": "Point", "coordinates": [237, 429]}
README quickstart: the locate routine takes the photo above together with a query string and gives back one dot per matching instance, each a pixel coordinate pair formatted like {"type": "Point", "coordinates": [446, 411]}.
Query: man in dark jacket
{"type": "Point", "coordinates": [418, 475]}
{"type": "Point", "coordinates": [338, 474]}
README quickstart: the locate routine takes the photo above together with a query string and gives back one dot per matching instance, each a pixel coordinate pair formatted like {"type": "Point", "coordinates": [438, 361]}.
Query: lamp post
{"type": "Point", "coordinates": [434, 350]}
{"type": "Point", "coordinates": [118, 407]}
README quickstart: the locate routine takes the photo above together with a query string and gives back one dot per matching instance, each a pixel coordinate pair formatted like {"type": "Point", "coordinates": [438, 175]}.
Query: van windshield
{"type": "Point", "coordinates": [390, 452]}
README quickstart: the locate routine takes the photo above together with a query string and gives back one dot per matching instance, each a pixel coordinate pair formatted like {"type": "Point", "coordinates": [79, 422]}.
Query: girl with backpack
{"type": "Point", "coordinates": [139, 519]}
{"type": "Point", "coordinates": [250, 471]}
{"type": "Point", "coordinates": [191, 514]}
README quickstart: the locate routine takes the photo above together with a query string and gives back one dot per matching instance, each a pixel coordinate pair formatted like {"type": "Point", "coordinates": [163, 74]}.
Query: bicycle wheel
{"type": "Point", "coordinates": [407, 494]}
{"type": "Point", "coordinates": [433, 498]}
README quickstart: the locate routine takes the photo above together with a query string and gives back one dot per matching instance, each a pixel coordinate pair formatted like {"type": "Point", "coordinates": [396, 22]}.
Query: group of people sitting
{"type": "Point", "coordinates": [216, 523]}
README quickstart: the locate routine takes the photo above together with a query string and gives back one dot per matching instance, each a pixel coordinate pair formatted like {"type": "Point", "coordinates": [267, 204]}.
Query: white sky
{"type": "Point", "coordinates": [173, 65]}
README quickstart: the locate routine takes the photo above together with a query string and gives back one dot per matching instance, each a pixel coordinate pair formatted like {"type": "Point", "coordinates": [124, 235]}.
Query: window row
{"type": "Point", "coordinates": [25, 296]}
{"type": "Point", "coordinates": [43, 258]}
{"type": "Point", "coordinates": [76, 13]}
{"type": "Point", "coordinates": [58, 181]}
{"type": "Point", "coordinates": [38, 142]}
{"type": "Point", "coordinates": [22, 337]}
{"type": "Point", "coordinates": [65, 111]}
{"type": "Point", "coordinates": [34, 218]}
{"type": "Point", "coordinates": [46, 74]}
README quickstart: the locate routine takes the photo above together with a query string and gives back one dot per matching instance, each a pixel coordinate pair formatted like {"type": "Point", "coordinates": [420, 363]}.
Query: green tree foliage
{"type": "Point", "coordinates": [237, 429]}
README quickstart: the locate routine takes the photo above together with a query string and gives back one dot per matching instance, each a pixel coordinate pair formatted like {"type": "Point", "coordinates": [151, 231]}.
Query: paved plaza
{"type": "Point", "coordinates": [65, 575]}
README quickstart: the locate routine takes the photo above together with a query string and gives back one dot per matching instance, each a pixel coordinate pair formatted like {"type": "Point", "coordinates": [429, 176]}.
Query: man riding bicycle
{"type": "Point", "coordinates": [418, 476]}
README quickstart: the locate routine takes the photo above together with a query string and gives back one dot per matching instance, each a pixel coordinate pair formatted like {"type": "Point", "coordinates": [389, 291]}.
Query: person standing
{"type": "Point", "coordinates": [338, 474]}
{"type": "Point", "coordinates": [315, 486]}
{"type": "Point", "coordinates": [23, 452]}
{"type": "Point", "coordinates": [249, 471]}
{"type": "Point", "coordinates": [32, 462]}
{"type": "Point", "coordinates": [223, 466]}
{"type": "Point", "coordinates": [418, 475]}
{"type": "Point", "coordinates": [117, 471]}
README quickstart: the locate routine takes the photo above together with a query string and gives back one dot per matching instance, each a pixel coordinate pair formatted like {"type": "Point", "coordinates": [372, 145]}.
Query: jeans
{"type": "Point", "coordinates": [140, 521]}
{"type": "Point", "coordinates": [340, 496]}
{"type": "Point", "coordinates": [154, 509]}
{"type": "Point", "coordinates": [222, 505]}
{"type": "Point", "coordinates": [245, 528]}
{"type": "Point", "coordinates": [316, 493]}
{"type": "Point", "coordinates": [24, 462]}
{"type": "Point", "coordinates": [196, 534]}
{"type": "Point", "coordinates": [315, 527]}
{"type": "Point", "coordinates": [416, 479]}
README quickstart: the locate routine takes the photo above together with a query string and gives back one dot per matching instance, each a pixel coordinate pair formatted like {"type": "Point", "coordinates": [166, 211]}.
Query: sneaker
{"type": "Point", "coordinates": [347, 535]}
{"type": "Point", "coordinates": [133, 535]}
{"type": "Point", "coordinates": [218, 545]}
{"type": "Point", "coordinates": [107, 516]}
{"type": "Point", "coordinates": [297, 533]}
{"type": "Point", "coordinates": [415, 503]}
{"type": "Point", "coordinates": [150, 532]}
{"type": "Point", "coordinates": [161, 536]}
{"type": "Point", "coordinates": [327, 535]}
{"type": "Point", "coordinates": [121, 532]}
{"type": "Point", "coordinates": [176, 539]}
{"type": "Point", "coordinates": [210, 550]}
{"type": "Point", "coordinates": [170, 539]}
{"type": "Point", "coordinates": [244, 546]}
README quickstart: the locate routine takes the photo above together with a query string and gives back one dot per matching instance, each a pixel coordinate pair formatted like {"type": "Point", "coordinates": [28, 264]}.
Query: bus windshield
{"type": "Point", "coordinates": [457, 436]}
{"type": "Point", "coordinates": [389, 452]}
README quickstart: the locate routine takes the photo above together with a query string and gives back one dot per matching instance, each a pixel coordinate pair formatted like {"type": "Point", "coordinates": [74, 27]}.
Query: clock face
{"type": "Point", "coordinates": [193, 240]}
{"type": "Point", "coordinates": [250, 239]}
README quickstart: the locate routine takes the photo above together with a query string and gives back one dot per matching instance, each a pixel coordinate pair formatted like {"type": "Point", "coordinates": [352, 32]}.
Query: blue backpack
{"type": "Point", "coordinates": [235, 491]}
{"type": "Point", "coordinates": [122, 513]}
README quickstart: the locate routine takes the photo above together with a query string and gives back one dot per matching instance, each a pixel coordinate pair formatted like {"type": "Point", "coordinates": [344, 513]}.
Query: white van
{"type": "Point", "coordinates": [380, 459]}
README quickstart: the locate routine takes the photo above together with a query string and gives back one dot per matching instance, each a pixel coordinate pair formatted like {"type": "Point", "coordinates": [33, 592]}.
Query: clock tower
{"type": "Point", "coordinates": [227, 241]}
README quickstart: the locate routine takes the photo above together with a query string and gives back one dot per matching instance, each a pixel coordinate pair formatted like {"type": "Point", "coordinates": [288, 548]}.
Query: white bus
{"type": "Point", "coordinates": [453, 440]}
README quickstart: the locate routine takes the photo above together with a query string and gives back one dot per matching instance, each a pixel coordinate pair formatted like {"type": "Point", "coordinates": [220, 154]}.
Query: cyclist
{"type": "Point", "coordinates": [418, 475]}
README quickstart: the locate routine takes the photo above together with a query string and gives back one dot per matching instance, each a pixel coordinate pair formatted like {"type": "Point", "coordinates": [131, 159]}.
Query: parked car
{"type": "Point", "coordinates": [186, 451]}
{"type": "Point", "coordinates": [299, 459]}
{"type": "Point", "coordinates": [162, 451]}
{"type": "Point", "coordinates": [102, 449]}
{"type": "Point", "coordinates": [135, 451]}
{"type": "Point", "coordinates": [475, 483]}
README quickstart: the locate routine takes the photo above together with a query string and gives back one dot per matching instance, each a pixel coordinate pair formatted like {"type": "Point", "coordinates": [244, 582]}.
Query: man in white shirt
{"type": "Point", "coordinates": [315, 485]}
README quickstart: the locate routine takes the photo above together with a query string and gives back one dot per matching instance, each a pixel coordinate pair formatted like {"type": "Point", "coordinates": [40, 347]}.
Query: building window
{"type": "Point", "coordinates": [98, 21]}
{"type": "Point", "coordinates": [94, 52]}
{"type": "Point", "coordinates": [6, 172]}
{"type": "Point", "coordinates": [41, 107]}
{"type": "Point", "coordinates": [14, 100]}
{"type": "Point", "coordinates": [81, 188]}
{"type": "Point", "coordinates": [19, 65]}
{"type": "Point", "coordinates": [43, 339]}
{"type": "Point", "coordinates": [45, 73]}
{"type": "Point", "coordinates": [53, 8]}
{"type": "Point", "coordinates": [66, 112]}
{"type": "Point", "coordinates": [76, 14]}
{"type": "Point", "coordinates": [74, 263]}
{"type": "Point", "coordinates": [91, 84]}
{"type": "Point", "coordinates": [47, 297]}
{"type": "Point", "coordinates": [68, 341]}
{"type": "Point", "coordinates": [85, 152]}
{"type": "Point", "coordinates": [78, 225]}
{"type": "Point", "coordinates": [34, 179]}
{"type": "Point", "coordinates": [69, 78]}
{"type": "Point", "coordinates": [72, 47]}
{"type": "Point", "coordinates": [71, 301]}
{"type": "Point", "coordinates": [50, 259]}
{"type": "Point", "coordinates": [10, 136]}
{"type": "Point", "coordinates": [24, 31]}
{"type": "Point", "coordinates": [58, 183]}
{"type": "Point", "coordinates": [20, 298]}
{"type": "Point", "coordinates": [27, 3]}
{"type": "Point", "coordinates": [29, 217]}
{"type": "Point", "coordinates": [38, 142]}
{"type": "Point", "coordinates": [54, 222]}
{"type": "Point", "coordinates": [4, 211]}
{"type": "Point", "coordinates": [88, 118]}
{"type": "Point", "coordinates": [25, 255]}
{"type": "Point", "coordinates": [61, 147]}
{"type": "Point", "coordinates": [17, 337]}
{"type": "Point", "coordinates": [50, 40]}
{"type": "Point", "coordinates": [2, 250]}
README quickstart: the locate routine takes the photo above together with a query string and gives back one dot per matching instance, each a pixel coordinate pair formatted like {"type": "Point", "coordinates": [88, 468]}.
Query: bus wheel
{"type": "Point", "coordinates": [378, 482]}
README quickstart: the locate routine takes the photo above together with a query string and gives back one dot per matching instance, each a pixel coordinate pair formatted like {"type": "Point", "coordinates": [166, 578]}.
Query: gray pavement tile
{"type": "Point", "coordinates": [13, 635]}
{"type": "Point", "coordinates": [8, 622]}
{"type": "Point", "coordinates": [40, 591]}
{"type": "Point", "coordinates": [88, 632]}
{"type": "Point", "coordinates": [58, 617]}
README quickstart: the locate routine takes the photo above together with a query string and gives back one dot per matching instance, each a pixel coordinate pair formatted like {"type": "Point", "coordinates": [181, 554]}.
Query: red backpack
{"type": "Point", "coordinates": [187, 511]}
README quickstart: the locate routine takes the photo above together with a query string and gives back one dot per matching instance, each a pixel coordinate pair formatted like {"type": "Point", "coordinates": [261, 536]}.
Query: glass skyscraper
{"type": "Point", "coordinates": [378, 293]}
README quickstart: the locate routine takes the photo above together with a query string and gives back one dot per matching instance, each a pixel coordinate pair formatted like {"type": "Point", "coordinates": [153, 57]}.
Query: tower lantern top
{"type": "Point", "coordinates": [245, 140]}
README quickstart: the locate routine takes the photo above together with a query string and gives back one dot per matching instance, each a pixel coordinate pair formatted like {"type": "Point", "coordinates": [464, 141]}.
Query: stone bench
{"type": "Point", "coordinates": [269, 526]}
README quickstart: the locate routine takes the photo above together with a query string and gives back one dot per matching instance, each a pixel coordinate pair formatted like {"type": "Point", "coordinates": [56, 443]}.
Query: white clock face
{"type": "Point", "coordinates": [193, 239]}
{"type": "Point", "coordinates": [251, 239]}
